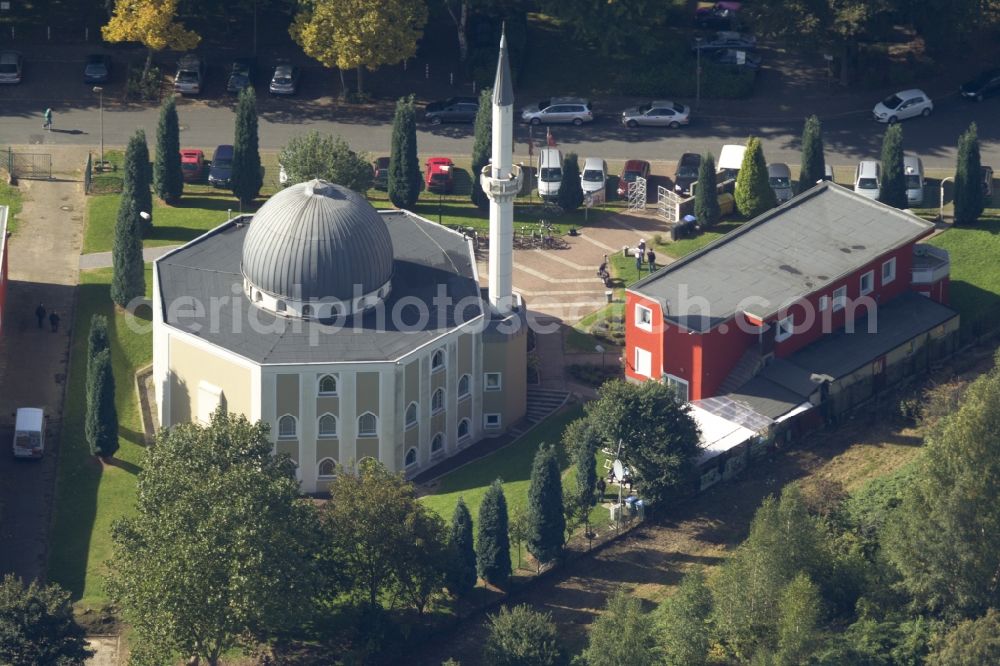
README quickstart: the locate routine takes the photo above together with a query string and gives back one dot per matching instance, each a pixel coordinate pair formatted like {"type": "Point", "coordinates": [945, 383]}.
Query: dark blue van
{"type": "Point", "coordinates": [221, 172]}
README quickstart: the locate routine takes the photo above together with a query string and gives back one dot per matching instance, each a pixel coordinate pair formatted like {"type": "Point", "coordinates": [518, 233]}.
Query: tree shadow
{"type": "Point", "coordinates": [125, 465]}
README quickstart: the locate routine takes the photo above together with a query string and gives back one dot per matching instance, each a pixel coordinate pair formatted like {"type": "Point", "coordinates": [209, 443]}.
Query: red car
{"type": "Point", "coordinates": [193, 165]}
{"type": "Point", "coordinates": [439, 175]}
{"type": "Point", "coordinates": [633, 169]}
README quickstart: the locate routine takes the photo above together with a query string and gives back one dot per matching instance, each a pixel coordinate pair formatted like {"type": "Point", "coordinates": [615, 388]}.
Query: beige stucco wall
{"type": "Point", "coordinates": [508, 357]}
{"type": "Point", "coordinates": [190, 365]}
{"type": "Point", "coordinates": [289, 446]}
{"type": "Point", "coordinates": [286, 399]}
{"type": "Point", "coordinates": [328, 448]}
{"type": "Point", "coordinates": [366, 448]}
{"type": "Point", "coordinates": [367, 394]}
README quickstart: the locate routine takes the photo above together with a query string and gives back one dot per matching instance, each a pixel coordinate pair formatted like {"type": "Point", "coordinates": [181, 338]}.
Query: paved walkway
{"type": "Point", "coordinates": [103, 259]}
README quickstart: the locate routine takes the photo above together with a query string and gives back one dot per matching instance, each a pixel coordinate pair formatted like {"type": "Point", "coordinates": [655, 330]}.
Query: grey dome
{"type": "Point", "coordinates": [317, 240]}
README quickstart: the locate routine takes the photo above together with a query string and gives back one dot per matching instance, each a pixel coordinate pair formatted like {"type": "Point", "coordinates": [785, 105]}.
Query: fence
{"type": "Point", "coordinates": [29, 165]}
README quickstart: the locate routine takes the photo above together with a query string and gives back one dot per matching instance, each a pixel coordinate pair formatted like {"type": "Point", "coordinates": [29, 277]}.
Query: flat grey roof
{"type": "Point", "coordinates": [426, 255]}
{"type": "Point", "coordinates": [781, 256]}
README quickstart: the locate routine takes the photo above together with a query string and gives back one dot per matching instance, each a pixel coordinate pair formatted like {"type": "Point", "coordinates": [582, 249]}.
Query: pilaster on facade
{"type": "Point", "coordinates": [308, 383]}
{"type": "Point", "coordinates": [347, 390]}
{"type": "Point", "coordinates": [387, 422]}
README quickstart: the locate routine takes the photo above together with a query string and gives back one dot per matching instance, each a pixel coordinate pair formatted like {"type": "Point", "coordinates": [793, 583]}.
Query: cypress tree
{"type": "Point", "coordinates": [482, 146]}
{"type": "Point", "coordinates": [97, 339]}
{"type": "Point", "coordinates": [753, 191]}
{"type": "Point", "coordinates": [142, 191]}
{"type": "Point", "coordinates": [247, 176]}
{"type": "Point", "coordinates": [493, 543]}
{"type": "Point", "coordinates": [813, 162]}
{"type": "Point", "coordinates": [893, 191]}
{"type": "Point", "coordinates": [101, 426]}
{"type": "Point", "coordinates": [168, 179]}
{"type": "Point", "coordinates": [585, 464]}
{"type": "Point", "coordinates": [462, 574]}
{"type": "Point", "coordinates": [968, 176]}
{"type": "Point", "coordinates": [706, 199]}
{"type": "Point", "coordinates": [546, 522]}
{"type": "Point", "coordinates": [404, 169]}
{"type": "Point", "coordinates": [128, 279]}
{"type": "Point", "coordinates": [571, 190]}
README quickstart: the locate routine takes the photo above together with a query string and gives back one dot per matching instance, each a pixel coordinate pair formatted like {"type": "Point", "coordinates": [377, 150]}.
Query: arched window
{"type": "Point", "coordinates": [437, 444]}
{"type": "Point", "coordinates": [463, 386]}
{"type": "Point", "coordinates": [437, 401]}
{"type": "Point", "coordinates": [327, 425]}
{"type": "Point", "coordinates": [437, 360]}
{"type": "Point", "coordinates": [327, 468]}
{"type": "Point", "coordinates": [411, 415]}
{"type": "Point", "coordinates": [367, 425]}
{"type": "Point", "coordinates": [411, 458]}
{"type": "Point", "coordinates": [279, 306]}
{"type": "Point", "coordinates": [328, 385]}
{"type": "Point", "coordinates": [307, 311]}
{"type": "Point", "coordinates": [463, 428]}
{"type": "Point", "coordinates": [287, 427]}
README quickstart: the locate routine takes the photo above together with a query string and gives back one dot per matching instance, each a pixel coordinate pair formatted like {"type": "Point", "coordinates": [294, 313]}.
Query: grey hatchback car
{"type": "Point", "coordinates": [285, 80]}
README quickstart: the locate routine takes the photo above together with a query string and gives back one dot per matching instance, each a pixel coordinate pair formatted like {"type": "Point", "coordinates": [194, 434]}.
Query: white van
{"type": "Point", "coordinates": [29, 433]}
{"type": "Point", "coordinates": [868, 179]}
{"type": "Point", "coordinates": [594, 176]}
{"type": "Point", "coordinates": [913, 168]}
{"type": "Point", "coordinates": [549, 173]}
{"type": "Point", "coordinates": [730, 161]}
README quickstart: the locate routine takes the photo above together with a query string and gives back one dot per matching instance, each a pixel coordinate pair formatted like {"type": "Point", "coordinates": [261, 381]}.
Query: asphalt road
{"type": "Point", "coordinates": [849, 136]}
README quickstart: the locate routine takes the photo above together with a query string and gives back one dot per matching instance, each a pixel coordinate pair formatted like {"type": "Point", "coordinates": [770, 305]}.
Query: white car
{"type": "Point", "coordinates": [868, 179]}
{"type": "Point", "coordinates": [559, 110]}
{"type": "Point", "coordinates": [902, 105]}
{"type": "Point", "coordinates": [594, 175]}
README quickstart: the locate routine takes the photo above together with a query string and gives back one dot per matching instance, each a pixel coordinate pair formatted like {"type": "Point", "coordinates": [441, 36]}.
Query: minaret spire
{"type": "Point", "coordinates": [501, 181]}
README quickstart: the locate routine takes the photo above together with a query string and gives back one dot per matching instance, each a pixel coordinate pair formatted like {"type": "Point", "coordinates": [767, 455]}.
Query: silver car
{"type": "Point", "coordinates": [10, 67]}
{"type": "Point", "coordinates": [780, 179]}
{"type": "Point", "coordinates": [190, 74]}
{"type": "Point", "coordinates": [594, 176]}
{"type": "Point", "coordinates": [658, 113]}
{"type": "Point", "coordinates": [285, 80]}
{"type": "Point", "coordinates": [558, 110]}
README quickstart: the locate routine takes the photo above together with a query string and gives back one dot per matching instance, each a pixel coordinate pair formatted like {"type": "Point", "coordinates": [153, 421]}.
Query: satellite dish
{"type": "Point", "coordinates": [619, 470]}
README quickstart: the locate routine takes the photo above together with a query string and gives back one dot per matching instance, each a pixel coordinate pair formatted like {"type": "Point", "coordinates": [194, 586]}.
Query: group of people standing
{"type": "Point", "coordinates": [643, 256]}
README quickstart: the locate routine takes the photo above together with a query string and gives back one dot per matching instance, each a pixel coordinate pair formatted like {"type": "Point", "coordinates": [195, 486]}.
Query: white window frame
{"type": "Point", "coordinates": [433, 439]}
{"type": "Point", "coordinates": [439, 353]}
{"type": "Point", "coordinates": [648, 358]}
{"type": "Point", "coordinates": [295, 427]}
{"type": "Point", "coordinates": [468, 387]}
{"type": "Point", "coordinates": [319, 466]}
{"type": "Point", "coordinates": [407, 424]}
{"type": "Point", "coordinates": [407, 455]}
{"type": "Point", "coordinates": [784, 328]}
{"type": "Point", "coordinates": [468, 429]}
{"type": "Point", "coordinates": [319, 385]}
{"type": "Point", "coordinates": [336, 426]}
{"type": "Point", "coordinates": [824, 303]}
{"type": "Point", "coordinates": [680, 386]}
{"type": "Point", "coordinates": [498, 385]}
{"type": "Point", "coordinates": [891, 265]}
{"type": "Point", "coordinates": [373, 433]}
{"type": "Point", "coordinates": [871, 283]}
{"type": "Point", "coordinates": [437, 409]}
{"type": "Point", "coordinates": [491, 426]}
{"type": "Point", "coordinates": [839, 298]}
{"type": "Point", "coordinates": [640, 311]}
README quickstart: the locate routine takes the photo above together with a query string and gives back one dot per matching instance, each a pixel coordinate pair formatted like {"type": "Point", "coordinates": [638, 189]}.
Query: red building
{"type": "Point", "coordinates": [778, 312]}
{"type": "Point", "coordinates": [3, 263]}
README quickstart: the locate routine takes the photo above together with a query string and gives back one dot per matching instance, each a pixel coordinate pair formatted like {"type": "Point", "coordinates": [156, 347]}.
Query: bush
{"type": "Point", "coordinates": [522, 637]}
{"type": "Point", "coordinates": [611, 330]}
{"type": "Point", "coordinates": [592, 375]}
{"type": "Point", "coordinates": [143, 88]}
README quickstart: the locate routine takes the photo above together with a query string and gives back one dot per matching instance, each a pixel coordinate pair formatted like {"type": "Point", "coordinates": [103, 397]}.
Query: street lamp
{"type": "Point", "coordinates": [100, 91]}
{"type": "Point", "coordinates": [697, 77]}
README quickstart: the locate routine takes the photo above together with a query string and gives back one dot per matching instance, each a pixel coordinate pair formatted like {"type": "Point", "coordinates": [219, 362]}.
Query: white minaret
{"type": "Point", "coordinates": [501, 181]}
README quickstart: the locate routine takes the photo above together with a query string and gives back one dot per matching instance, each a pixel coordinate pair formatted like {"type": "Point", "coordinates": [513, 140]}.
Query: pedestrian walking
{"type": "Point", "coordinates": [40, 314]}
{"type": "Point", "coordinates": [48, 120]}
{"type": "Point", "coordinates": [54, 321]}
{"type": "Point", "coordinates": [639, 256]}
{"type": "Point", "coordinates": [651, 259]}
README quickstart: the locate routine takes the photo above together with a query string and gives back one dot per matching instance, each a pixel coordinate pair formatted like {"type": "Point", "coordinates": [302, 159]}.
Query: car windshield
{"type": "Point", "coordinates": [593, 175]}
{"type": "Point", "coordinates": [687, 172]}
{"type": "Point", "coordinates": [780, 182]}
{"type": "Point", "coordinates": [8, 69]}
{"type": "Point", "coordinates": [644, 108]}
{"type": "Point", "coordinates": [283, 80]}
{"type": "Point", "coordinates": [892, 101]}
{"type": "Point", "coordinates": [550, 174]}
{"type": "Point", "coordinates": [868, 184]}
{"type": "Point", "coordinates": [189, 166]}
{"type": "Point", "coordinates": [223, 163]}
{"type": "Point", "coordinates": [440, 177]}
{"type": "Point", "coordinates": [913, 182]}
{"type": "Point", "coordinates": [187, 77]}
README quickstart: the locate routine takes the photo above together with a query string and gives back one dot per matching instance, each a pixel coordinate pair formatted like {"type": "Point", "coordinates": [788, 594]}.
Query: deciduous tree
{"type": "Point", "coordinates": [248, 176]}
{"type": "Point", "coordinates": [813, 162]}
{"type": "Point", "coordinates": [521, 636]}
{"type": "Point", "coordinates": [493, 541]}
{"type": "Point", "coordinates": [798, 620]}
{"type": "Point", "coordinates": [462, 572]}
{"type": "Point", "coordinates": [37, 626]}
{"type": "Point", "coordinates": [753, 190]}
{"type": "Point", "coordinates": [623, 635]}
{"type": "Point", "coordinates": [220, 551]}
{"type": "Point", "coordinates": [893, 186]}
{"type": "Point", "coordinates": [327, 157]}
{"type": "Point", "coordinates": [168, 179]}
{"type": "Point", "coordinates": [968, 179]}
{"type": "Point", "coordinates": [546, 523]}
{"type": "Point", "coordinates": [482, 145]}
{"type": "Point", "coordinates": [101, 423]}
{"type": "Point", "coordinates": [152, 23]}
{"type": "Point", "coordinates": [970, 643]}
{"type": "Point", "coordinates": [404, 168]}
{"type": "Point", "coordinates": [612, 26]}
{"type": "Point", "coordinates": [684, 622]}
{"type": "Point", "coordinates": [706, 198]}
{"type": "Point", "coordinates": [571, 189]}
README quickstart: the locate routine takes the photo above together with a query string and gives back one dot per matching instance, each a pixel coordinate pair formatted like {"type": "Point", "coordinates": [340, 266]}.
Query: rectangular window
{"type": "Point", "coordinates": [491, 421]}
{"type": "Point", "coordinates": [492, 381]}
{"type": "Point", "coordinates": [643, 318]}
{"type": "Point", "coordinates": [889, 271]}
{"type": "Point", "coordinates": [679, 386]}
{"type": "Point", "coordinates": [643, 362]}
{"type": "Point", "coordinates": [824, 303]}
{"type": "Point", "coordinates": [839, 298]}
{"type": "Point", "coordinates": [867, 282]}
{"type": "Point", "coordinates": [785, 328]}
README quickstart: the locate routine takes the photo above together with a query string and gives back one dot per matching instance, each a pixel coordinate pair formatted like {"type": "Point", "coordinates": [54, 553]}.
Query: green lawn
{"type": "Point", "coordinates": [975, 271]}
{"type": "Point", "coordinates": [10, 196]}
{"type": "Point", "coordinates": [90, 497]}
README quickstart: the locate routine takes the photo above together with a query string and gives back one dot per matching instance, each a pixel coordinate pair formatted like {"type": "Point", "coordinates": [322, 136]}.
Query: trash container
{"type": "Point", "coordinates": [727, 204]}
{"type": "Point", "coordinates": [609, 295]}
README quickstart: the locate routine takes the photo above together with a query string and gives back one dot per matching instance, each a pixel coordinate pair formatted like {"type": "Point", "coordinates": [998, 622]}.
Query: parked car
{"type": "Point", "coordinates": [902, 105]}
{"type": "Point", "coordinates": [720, 16]}
{"type": "Point", "coordinates": [190, 75]}
{"type": "Point", "coordinates": [29, 433]}
{"type": "Point", "coordinates": [285, 80]}
{"type": "Point", "coordinates": [193, 165]}
{"type": "Point", "coordinates": [594, 176]}
{"type": "Point", "coordinates": [558, 110]}
{"type": "Point", "coordinates": [730, 161]}
{"type": "Point", "coordinates": [633, 170]}
{"type": "Point", "coordinates": [439, 175]}
{"type": "Point", "coordinates": [913, 171]}
{"type": "Point", "coordinates": [726, 39]}
{"type": "Point", "coordinates": [549, 173]}
{"type": "Point", "coordinates": [221, 171]}
{"type": "Point", "coordinates": [381, 168]}
{"type": "Point", "coordinates": [779, 176]}
{"type": "Point", "coordinates": [453, 110]}
{"type": "Point", "coordinates": [987, 83]}
{"type": "Point", "coordinates": [11, 67]}
{"type": "Point", "coordinates": [658, 113]}
{"type": "Point", "coordinates": [240, 75]}
{"type": "Point", "coordinates": [868, 179]}
{"type": "Point", "coordinates": [737, 57]}
{"type": "Point", "coordinates": [686, 172]}
{"type": "Point", "coordinates": [97, 69]}
{"type": "Point", "coordinates": [828, 172]}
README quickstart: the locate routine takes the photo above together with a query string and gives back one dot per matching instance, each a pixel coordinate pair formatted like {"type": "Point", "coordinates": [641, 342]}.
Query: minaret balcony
{"type": "Point", "coordinates": [504, 188]}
